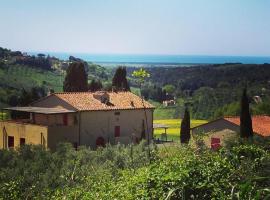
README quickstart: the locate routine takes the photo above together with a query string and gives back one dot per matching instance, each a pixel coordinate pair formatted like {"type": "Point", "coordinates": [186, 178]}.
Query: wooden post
{"type": "Point", "coordinates": [166, 134]}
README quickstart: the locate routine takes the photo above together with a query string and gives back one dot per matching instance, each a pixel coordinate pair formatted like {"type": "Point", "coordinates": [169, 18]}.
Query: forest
{"type": "Point", "coordinates": [210, 90]}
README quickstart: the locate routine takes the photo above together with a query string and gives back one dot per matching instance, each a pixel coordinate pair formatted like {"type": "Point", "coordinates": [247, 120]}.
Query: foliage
{"type": "Point", "coordinates": [119, 81]}
{"type": "Point", "coordinates": [169, 88]}
{"type": "Point", "coordinates": [153, 92]}
{"type": "Point", "coordinates": [118, 172]}
{"type": "Point", "coordinates": [27, 97]}
{"type": "Point", "coordinates": [232, 109]}
{"type": "Point", "coordinates": [140, 75]}
{"type": "Point", "coordinates": [76, 78]}
{"type": "Point", "coordinates": [95, 85]}
{"type": "Point", "coordinates": [185, 128]}
{"type": "Point", "coordinates": [15, 77]}
{"type": "Point", "coordinates": [209, 88]}
{"type": "Point", "coordinates": [35, 61]}
{"type": "Point", "coordinates": [245, 117]}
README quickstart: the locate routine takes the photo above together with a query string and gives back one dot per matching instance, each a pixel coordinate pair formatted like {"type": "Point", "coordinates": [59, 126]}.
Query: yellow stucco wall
{"type": "Point", "coordinates": [217, 125]}
{"type": "Point", "coordinates": [33, 134]}
{"type": "Point", "coordinates": [220, 128]}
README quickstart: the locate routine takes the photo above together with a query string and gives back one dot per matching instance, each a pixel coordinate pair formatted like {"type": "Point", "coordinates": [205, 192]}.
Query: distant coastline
{"type": "Point", "coordinates": [184, 60]}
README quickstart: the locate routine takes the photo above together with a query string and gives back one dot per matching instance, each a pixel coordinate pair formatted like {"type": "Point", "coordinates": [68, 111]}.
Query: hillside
{"type": "Point", "coordinates": [210, 90]}
{"type": "Point", "coordinates": [19, 71]}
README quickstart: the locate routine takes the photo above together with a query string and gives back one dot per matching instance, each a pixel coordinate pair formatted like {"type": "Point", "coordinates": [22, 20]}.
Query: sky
{"type": "Point", "coordinates": [178, 27]}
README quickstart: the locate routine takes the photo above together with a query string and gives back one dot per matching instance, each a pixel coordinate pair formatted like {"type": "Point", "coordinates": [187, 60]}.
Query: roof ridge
{"type": "Point", "coordinates": [230, 116]}
{"type": "Point", "coordinates": [263, 115]}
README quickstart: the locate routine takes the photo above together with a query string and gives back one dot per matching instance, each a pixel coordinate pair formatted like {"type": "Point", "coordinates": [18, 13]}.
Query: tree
{"type": "Point", "coordinates": [245, 117]}
{"type": "Point", "coordinates": [76, 78]}
{"type": "Point", "coordinates": [95, 85]}
{"type": "Point", "coordinates": [185, 127]}
{"type": "Point", "coordinates": [170, 89]}
{"type": "Point", "coordinates": [143, 131]}
{"type": "Point", "coordinates": [141, 75]}
{"type": "Point", "coordinates": [27, 97]}
{"type": "Point", "coordinates": [119, 81]}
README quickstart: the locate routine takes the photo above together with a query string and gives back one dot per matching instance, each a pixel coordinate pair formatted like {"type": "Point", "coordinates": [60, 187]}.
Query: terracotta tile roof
{"type": "Point", "coordinates": [260, 124]}
{"type": "Point", "coordinates": [85, 101]}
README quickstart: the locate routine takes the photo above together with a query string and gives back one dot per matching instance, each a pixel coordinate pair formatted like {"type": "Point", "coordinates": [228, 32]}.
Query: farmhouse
{"type": "Point", "coordinates": [81, 118]}
{"type": "Point", "coordinates": [229, 127]}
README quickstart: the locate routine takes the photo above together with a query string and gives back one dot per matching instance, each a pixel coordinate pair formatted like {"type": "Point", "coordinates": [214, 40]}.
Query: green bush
{"type": "Point", "coordinates": [127, 172]}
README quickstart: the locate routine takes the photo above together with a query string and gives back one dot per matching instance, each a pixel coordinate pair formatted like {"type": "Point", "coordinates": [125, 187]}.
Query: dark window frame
{"type": "Point", "coordinates": [22, 141]}
{"type": "Point", "coordinates": [117, 131]}
{"type": "Point", "coordinates": [10, 141]}
{"type": "Point", "coordinates": [116, 113]}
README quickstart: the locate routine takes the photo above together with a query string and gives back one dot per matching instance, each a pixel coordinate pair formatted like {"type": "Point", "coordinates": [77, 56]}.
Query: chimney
{"type": "Point", "coordinates": [102, 96]}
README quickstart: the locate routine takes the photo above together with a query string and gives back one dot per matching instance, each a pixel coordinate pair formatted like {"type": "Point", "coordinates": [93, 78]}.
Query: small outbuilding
{"type": "Point", "coordinates": [228, 127]}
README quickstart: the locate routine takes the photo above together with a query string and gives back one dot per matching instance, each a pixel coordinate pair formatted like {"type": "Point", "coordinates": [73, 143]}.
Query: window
{"type": "Point", "coordinates": [215, 143]}
{"type": "Point", "coordinates": [22, 141]}
{"type": "Point", "coordinates": [117, 113]}
{"type": "Point", "coordinates": [65, 119]}
{"type": "Point", "coordinates": [10, 141]}
{"type": "Point", "coordinates": [117, 131]}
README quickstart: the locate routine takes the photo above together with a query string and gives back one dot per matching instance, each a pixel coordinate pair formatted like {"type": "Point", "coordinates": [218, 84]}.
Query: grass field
{"type": "Point", "coordinates": [164, 113]}
{"type": "Point", "coordinates": [173, 131]}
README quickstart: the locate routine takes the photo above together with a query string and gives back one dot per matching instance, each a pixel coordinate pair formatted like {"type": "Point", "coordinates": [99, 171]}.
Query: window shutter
{"type": "Point", "coordinates": [117, 131]}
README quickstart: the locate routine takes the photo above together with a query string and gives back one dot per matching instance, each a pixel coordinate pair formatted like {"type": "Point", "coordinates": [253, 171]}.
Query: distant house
{"type": "Point", "coordinates": [167, 103]}
{"type": "Point", "coordinates": [229, 127]}
{"type": "Point", "coordinates": [81, 118]}
{"type": "Point", "coordinates": [257, 99]}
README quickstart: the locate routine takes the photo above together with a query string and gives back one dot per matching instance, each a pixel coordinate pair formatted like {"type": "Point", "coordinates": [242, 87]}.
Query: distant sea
{"type": "Point", "coordinates": [159, 59]}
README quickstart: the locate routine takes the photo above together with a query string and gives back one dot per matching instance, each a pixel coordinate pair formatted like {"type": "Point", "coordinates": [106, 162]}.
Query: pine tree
{"type": "Point", "coordinates": [245, 117]}
{"type": "Point", "coordinates": [119, 81]}
{"type": "Point", "coordinates": [76, 78]}
{"type": "Point", "coordinates": [185, 128]}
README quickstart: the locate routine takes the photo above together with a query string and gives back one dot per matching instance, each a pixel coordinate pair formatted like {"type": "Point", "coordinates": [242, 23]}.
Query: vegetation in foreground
{"type": "Point", "coordinates": [118, 172]}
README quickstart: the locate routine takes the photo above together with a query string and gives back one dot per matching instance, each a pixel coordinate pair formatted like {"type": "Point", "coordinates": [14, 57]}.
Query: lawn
{"type": "Point", "coordinates": [173, 131]}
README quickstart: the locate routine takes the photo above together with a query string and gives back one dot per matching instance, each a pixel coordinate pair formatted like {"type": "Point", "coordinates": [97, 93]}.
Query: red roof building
{"type": "Point", "coordinates": [260, 124]}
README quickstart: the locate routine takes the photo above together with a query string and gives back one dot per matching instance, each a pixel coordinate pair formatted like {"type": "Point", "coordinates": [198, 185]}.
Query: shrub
{"type": "Point", "coordinates": [127, 172]}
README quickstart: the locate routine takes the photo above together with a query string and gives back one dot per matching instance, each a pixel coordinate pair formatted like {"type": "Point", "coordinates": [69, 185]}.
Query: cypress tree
{"type": "Point", "coordinates": [95, 85]}
{"type": "Point", "coordinates": [119, 81]}
{"type": "Point", "coordinates": [245, 117]}
{"type": "Point", "coordinates": [76, 78]}
{"type": "Point", "coordinates": [143, 137]}
{"type": "Point", "coordinates": [185, 128]}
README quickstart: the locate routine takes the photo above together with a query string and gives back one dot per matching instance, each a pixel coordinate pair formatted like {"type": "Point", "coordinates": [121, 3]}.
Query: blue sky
{"type": "Point", "coordinates": [186, 27]}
